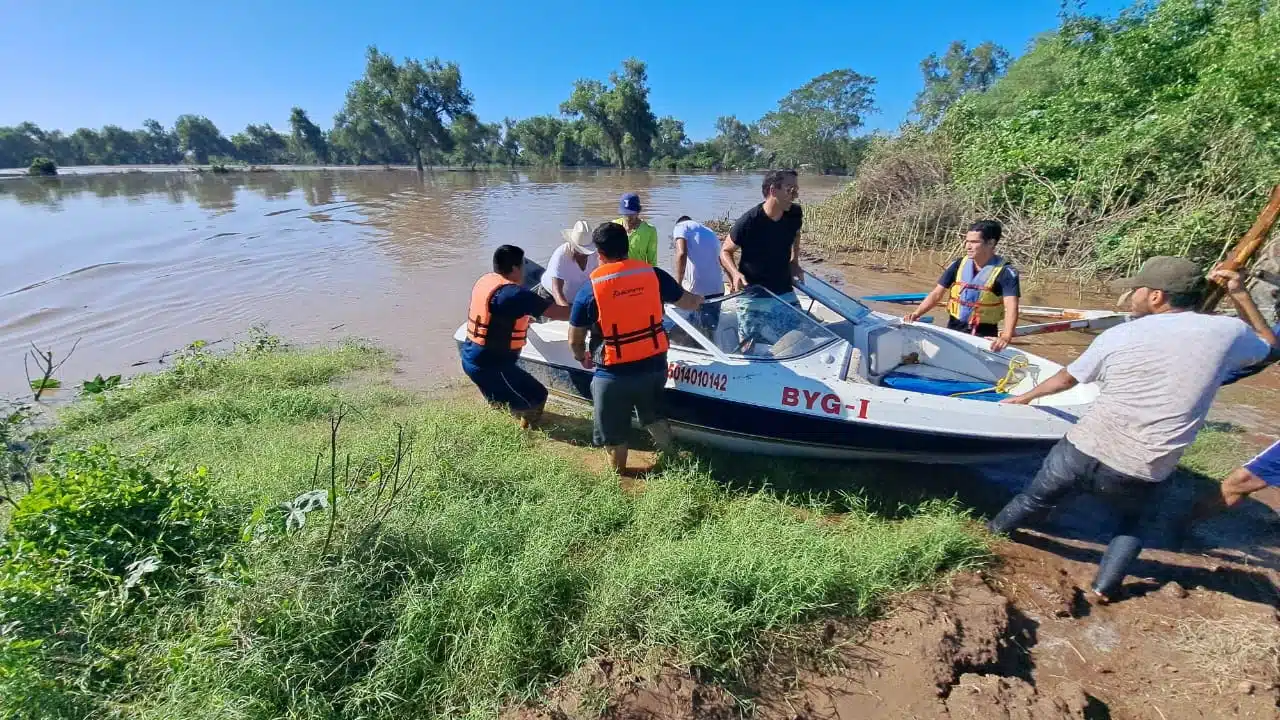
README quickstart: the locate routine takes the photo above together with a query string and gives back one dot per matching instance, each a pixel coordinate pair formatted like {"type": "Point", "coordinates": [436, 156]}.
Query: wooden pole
{"type": "Point", "coordinates": [1246, 248]}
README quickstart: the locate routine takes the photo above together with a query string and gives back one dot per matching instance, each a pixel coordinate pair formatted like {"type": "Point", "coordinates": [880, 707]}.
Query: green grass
{"type": "Point", "coordinates": [1218, 449]}
{"type": "Point", "coordinates": [503, 566]}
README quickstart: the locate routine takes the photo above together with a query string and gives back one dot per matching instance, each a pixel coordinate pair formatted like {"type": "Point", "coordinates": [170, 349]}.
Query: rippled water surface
{"type": "Point", "coordinates": [137, 264]}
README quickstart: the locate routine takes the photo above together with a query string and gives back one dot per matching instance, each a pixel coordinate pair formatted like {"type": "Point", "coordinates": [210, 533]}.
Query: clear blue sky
{"type": "Point", "coordinates": [73, 63]}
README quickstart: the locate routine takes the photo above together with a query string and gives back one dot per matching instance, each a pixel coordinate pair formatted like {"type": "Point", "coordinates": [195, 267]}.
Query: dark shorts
{"type": "Point", "coordinates": [1267, 464]}
{"type": "Point", "coordinates": [507, 384]}
{"type": "Point", "coordinates": [984, 329]}
{"type": "Point", "coordinates": [613, 399]}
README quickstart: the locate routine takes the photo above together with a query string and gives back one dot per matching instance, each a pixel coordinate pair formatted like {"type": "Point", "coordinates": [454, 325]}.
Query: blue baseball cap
{"type": "Point", "coordinates": [629, 204]}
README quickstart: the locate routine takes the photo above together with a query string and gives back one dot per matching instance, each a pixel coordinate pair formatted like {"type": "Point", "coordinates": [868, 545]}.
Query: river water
{"type": "Point", "coordinates": [137, 264]}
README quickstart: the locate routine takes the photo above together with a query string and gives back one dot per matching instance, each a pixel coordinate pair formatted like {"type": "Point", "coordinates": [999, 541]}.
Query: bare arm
{"type": "Point", "coordinates": [1244, 303]}
{"type": "Point", "coordinates": [927, 304]}
{"type": "Point", "coordinates": [557, 293]}
{"type": "Point", "coordinates": [1060, 382]}
{"type": "Point", "coordinates": [1010, 323]}
{"type": "Point", "coordinates": [796, 271]}
{"type": "Point", "coordinates": [578, 345]}
{"type": "Point", "coordinates": [727, 250]}
{"type": "Point", "coordinates": [556, 312]}
{"type": "Point", "coordinates": [689, 301]}
{"type": "Point", "coordinates": [682, 253]}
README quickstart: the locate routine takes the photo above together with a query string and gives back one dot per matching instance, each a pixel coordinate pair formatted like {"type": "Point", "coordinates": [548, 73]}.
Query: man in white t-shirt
{"type": "Point", "coordinates": [570, 265]}
{"type": "Point", "coordinates": [1157, 376]}
{"type": "Point", "coordinates": [697, 258]}
{"type": "Point", "coordinates": [697, 268]}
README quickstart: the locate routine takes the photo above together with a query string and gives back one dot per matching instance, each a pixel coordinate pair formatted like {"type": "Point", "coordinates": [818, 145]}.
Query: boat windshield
{"type": "Point", "coordinates": [752, 324]}
{"type": "Point", "coordinates": [842, 304]}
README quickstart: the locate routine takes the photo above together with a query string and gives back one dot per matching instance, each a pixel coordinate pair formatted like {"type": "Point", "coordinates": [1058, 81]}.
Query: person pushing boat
{"type": "Point", "coordinates": [982, 289]}
{"type": "Point", "coordinates": [1158, 374]}
{"type": "Point", "coordinates": [497, 327]}
{"type": "Point", "coordinates": [624, 302]}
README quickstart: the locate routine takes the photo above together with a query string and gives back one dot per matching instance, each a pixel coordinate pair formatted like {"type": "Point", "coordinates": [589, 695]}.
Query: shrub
{"type": "Point", "coordinates": [96, 540]}
{"type": "Point", "coordinates": [43, 166]}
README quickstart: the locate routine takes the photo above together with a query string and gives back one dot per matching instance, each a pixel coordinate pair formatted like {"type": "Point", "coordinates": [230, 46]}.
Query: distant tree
{"type": "Point", "coordinates": [199, 137]}
{"type": "Point", "coordinates": [410, 100]}
{"type": "Point", "coordinates": [119, 146]}
{"type": "Point", "coordinates": [260, 144]}
{"type": "Point", "coordinates": [536, 137]}
{"type": "Point", "coordinates": [619, 112]}
{"type": "Point", "coordinates": [734, 142]}
{"type": "Point", "coordinates": [509, 144]}
{"type": "Point", "coordinates": [20, 145]}
{"type": "Point", "coordinates": [161, 146]}
{"type": "Point", "coordinates": [307, 138]}
{"type": "Point", "coordinates": [472, 140]}
{"type": "Point", "coordinates": [813, 123]}
{"type": "Point", "coordinates": [669, 141]}
{"type": "Point", "coordinates": [85, 146]}
{"type": "Point", "coordinates": [957, 72]}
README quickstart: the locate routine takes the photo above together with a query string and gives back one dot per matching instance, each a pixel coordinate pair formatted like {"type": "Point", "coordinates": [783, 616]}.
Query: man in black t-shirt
{"type": "Point", "coordinates": [768, 235]}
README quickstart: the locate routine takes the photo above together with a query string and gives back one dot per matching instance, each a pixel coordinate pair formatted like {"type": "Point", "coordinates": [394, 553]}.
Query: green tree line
{"type": "Point", "coordinates": [419, 112]}
{"type": "Point", "coordinates": [1107, 142]}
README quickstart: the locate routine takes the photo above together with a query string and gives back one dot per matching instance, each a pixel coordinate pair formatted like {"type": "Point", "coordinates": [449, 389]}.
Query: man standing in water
{"type": "Point", "coordinates": [624, 300]}
{"type": "Point", "coordinates": [1157, 376]}
{"type": "Point", "coordinates": [983, 289]}
{"type": "Point", "coordinates": [497, 325]}
{"type": "Point", "coordinates": [768, 235]}
{"type": "Point", "coordinates": [641, 236]}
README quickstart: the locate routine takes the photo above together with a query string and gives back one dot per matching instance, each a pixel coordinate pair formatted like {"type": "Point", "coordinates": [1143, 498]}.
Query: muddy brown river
{"type": "Point", "coordinates": [137, 264]}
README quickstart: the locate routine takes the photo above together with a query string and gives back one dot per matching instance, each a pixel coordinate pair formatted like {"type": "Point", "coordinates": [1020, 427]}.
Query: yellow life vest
{"type": "Point", "coordinates": [972, 300]}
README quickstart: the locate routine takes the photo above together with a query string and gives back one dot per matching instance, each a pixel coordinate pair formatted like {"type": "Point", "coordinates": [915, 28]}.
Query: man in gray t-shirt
{"type": "Point", "coordinates": [1157, 376]}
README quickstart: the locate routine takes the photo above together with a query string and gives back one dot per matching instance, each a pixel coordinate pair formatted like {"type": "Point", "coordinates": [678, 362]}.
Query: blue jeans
{"type": "Point", "coordinates": [1067, 470]}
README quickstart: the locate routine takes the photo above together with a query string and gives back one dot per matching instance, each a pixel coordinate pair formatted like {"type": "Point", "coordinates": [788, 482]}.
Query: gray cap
{"type": "Point", "coordinates": [1170, 274]}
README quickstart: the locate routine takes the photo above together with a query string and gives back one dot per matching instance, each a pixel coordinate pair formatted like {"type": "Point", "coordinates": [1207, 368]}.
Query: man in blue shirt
{"type": "Point", "coordinates": [497, 327]}
{"type": "Point", "coordinates": [624, 302]}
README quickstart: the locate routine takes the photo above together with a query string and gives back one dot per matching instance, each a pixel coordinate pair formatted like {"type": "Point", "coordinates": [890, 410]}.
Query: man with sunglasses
{"type": "Point", "coordinates": [768, 236]}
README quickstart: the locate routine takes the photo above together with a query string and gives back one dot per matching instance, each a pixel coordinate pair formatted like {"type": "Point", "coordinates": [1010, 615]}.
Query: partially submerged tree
{"type": "Point", "coordinates": [814, 124]}
{"type": "Point", "coordinates": [619, 112]}
{"type": "Point", "coordinates": [410, 100]}
{"type": "Point", "coordinates": [307, 138]}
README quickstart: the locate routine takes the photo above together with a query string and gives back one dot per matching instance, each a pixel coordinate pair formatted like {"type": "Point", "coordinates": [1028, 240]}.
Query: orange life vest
{"type": "Point", "coordinates": [630, 311]}
{"type": "Point", "coordinates": [483, 328]}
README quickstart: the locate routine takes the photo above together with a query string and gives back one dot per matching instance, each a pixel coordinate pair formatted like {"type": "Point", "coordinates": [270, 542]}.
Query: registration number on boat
{"type": "Point", "coordinates": [685, 375]}
{"type": "Point", "coordinates": [829, 403]}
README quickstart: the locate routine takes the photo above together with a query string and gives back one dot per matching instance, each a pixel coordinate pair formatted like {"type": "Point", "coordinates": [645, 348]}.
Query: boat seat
{"type": "Point", "coordinates": [886, 346]}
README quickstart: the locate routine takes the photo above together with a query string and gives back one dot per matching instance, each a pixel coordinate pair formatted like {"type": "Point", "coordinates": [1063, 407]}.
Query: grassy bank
{"type": "Point", "coordinates": [467, 564]}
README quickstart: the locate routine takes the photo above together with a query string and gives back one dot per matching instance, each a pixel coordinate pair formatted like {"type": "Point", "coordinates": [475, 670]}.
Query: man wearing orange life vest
{"type": "Point", "coordinates": [624, 301]}
{"type": "Point", "coordinates": [982, 289]}
{"type": "Point", "coordinates": [497, 325]}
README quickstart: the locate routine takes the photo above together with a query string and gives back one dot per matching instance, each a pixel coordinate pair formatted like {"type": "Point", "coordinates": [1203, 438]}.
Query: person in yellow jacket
{"type": "Point", "coordinates": [982, 289]}
{"type": "Point", "coordinates": [642, 238]}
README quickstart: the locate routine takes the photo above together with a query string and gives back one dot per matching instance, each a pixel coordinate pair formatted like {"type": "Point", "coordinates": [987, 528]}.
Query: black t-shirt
{"type": "Point", "coordinates": [766, 247]}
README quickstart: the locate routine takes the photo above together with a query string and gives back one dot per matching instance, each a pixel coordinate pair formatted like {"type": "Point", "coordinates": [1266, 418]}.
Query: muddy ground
{"type": "Point", "coordinates": [1196, 633]}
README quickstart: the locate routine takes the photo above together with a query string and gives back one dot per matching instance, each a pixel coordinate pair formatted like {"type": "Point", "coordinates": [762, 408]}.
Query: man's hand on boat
{"type": "Point", "coordinates": [736, 281]}
{"type": "Point", "coordinates": [1061, 381]}
{"type": "Point", "coordinates": [1001, 342]}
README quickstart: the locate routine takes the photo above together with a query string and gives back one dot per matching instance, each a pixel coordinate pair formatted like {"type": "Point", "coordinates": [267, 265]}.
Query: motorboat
{"type": "Point", "coordinates": [831, 378]}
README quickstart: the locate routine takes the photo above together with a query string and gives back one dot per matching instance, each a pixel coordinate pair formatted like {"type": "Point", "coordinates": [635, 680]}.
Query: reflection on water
{"type": "Point", "coordinates": [136, 264]}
